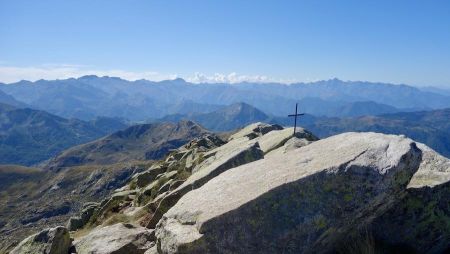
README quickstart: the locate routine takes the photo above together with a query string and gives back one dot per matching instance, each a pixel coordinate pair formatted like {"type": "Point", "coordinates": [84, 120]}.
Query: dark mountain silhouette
{"type": "Point", "coordinates": [30, 136]}
{"type": "Point", "coordinates": [136, 143]}
{"type": "Point", "coordinates": [227, 118]}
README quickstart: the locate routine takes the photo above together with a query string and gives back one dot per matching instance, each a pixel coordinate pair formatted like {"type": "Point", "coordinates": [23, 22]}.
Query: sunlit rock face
{"type": "Point", "coordinates": [51, 241]}
{"type": "Point", "coordinates": [118, 239]}
{"type": "Point", "coordinates": [300, 201]}
{"type": "Point", "coordinates": [267, 190]}
{"type": "Point", "coordinates": [250, 144]}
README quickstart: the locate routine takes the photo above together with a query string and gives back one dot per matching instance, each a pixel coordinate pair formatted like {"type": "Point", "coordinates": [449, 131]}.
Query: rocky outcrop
{"type": "Point", "coordinates": [267, 191]}
{"type": "Point", "coordinates": [86, 214]}
{"type": "Point", "coordinates": [278, 138]}
{"type": "Point", "coordinates": [152, 183]}
{"type": "Point", "coordinates": [255, 130]}
{"type": "Point", "coordinates": [419, 222]}
{"type": "Point", "coordinates": [116, 239]}
{"type": "Point", "coordinates": [433, 170]}
{"type": "Point", "coordinates": [49, 241]}
{"type": "Point", "coordinates": [303, 200]}
{"type": "Point", "coordinates": [145, 178]}
{"type": "Point", "coordinates": [238, 157]}
{"type": "Point", "coordinates": [248, 145]}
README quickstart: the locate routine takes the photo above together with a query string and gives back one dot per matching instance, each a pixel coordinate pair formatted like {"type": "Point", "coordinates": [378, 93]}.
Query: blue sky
{"type": "Point", "coordinates": [390, 41]}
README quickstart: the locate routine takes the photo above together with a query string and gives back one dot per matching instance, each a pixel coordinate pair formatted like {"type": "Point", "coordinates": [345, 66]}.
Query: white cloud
{"type": "Point", "coordinates": [226, 78]}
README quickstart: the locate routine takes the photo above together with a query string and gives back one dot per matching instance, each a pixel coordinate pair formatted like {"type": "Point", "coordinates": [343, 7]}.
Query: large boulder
{"type": "Point", "coordinates": [215, 165]}
{"type": "Point", "coordinates": [87, 211]}
{"type": "Point", "coordinates": [117, 201]}
{"type": "Point", "coordinates": [419, 222]}
{"type": "Point", "coordinates": [247, 145]}
{"type": "Point", "coordinates": [255, 130]}
{"type": "Point", "coordinates": [116, 239]}
{"type": "Point", "coordinates": [433, 170]}
{"type": "Point", "coordinates": [144, 178]}
{"type": "Point", "coordinates": [49, 241]}
{"type": "Point", "coordinates": [299, 201]}
{"type": "Point", "coordinates": [278, 138]}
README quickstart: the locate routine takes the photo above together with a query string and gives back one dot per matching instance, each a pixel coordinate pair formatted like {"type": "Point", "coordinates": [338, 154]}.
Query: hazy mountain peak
{"type": "Point", "coordinates": [335, 80]}
{"type": "Point", "coordinates": [188, 123]}
{"type": "Point", "coordinates": [179, 80]}
{"type": "Point", "coordinates": [95, 77]}
{"type": "Point", "coordinates": [241, 104]}
{"type": "Point", "coordinates": [88, 77]}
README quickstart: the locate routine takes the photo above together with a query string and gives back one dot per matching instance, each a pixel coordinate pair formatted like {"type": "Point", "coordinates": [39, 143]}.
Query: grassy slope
{"type": "Point", "coordinates": [139, 142]}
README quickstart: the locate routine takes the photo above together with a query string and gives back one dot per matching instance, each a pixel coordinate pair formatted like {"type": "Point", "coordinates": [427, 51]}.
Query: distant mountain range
{"type": "Point", "coordinates": [445, 91]}
{"type": "Point", "coordinates": [429, 127]}
{"type": "Point", "coordinates": [9, 100]}
{"type": "Point", "coordinates": [136, 143]}
{"type": "Point", "coordinates": [91, 96]}
{"type": "Point", "coordinates": [30, 136]}
{"type": "Point", "coordinates": [225, 119]}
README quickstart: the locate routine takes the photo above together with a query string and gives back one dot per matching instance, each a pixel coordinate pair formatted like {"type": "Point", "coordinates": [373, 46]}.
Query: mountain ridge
{"type": "Point", "coordinates": [29, 136]}
{"type": "Point", "coordinates": [91, 96]}
{"type": "Point", "coordinates": [430, 127]}
{"type": "Point", "coordinates": [10, 100]}
{"type": "Point", "coordinates": [136, 143]}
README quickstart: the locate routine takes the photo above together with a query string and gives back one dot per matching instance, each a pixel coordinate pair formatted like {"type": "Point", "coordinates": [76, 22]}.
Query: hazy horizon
{"type": "Point", "coordinates": [232, 82]}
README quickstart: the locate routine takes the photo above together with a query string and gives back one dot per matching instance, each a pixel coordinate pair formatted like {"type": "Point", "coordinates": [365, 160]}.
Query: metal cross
{"type": "Point", "coordinates": [295, 117]}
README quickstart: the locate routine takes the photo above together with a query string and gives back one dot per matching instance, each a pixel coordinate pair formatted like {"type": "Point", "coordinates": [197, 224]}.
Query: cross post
{"type": "Point", "coordinates": [295, 117]}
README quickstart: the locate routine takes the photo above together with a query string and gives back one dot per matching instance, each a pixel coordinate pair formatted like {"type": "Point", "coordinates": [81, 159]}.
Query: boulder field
{"type": "Point", "coordinates": [266, 191]}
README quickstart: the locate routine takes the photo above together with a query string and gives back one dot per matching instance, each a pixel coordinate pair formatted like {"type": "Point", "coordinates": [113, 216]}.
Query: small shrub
{"type": "Point", "coordinates": [160, 182]}
{"type": "Point", "coordinates": [133, 185]}
{"type": "Point", "coordinates": [182, 174]}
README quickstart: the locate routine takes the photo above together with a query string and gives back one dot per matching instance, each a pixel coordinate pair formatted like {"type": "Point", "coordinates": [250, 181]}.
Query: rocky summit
{"type": "Point", "coordinates": [302, 200]}
{"type": "Point", "coordinates": [265, 190]}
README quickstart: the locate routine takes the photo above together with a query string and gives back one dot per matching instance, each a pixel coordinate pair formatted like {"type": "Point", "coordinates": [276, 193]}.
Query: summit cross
{"type": "Point", "coordinates": [295, 117]}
